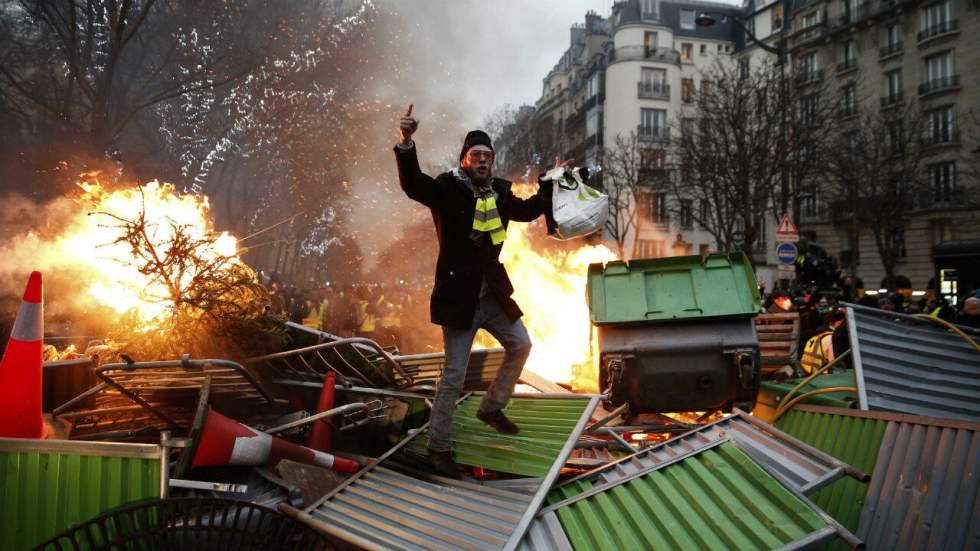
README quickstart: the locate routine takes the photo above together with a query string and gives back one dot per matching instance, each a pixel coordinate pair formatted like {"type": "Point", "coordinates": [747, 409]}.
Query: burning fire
{"type": "Point", "coordinates": [90, 242]}
{"type": "Point", "coordinates": [550, 288]}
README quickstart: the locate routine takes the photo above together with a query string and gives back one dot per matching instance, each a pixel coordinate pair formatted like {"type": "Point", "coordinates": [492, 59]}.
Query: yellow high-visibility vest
{"type": "Point", "coordinates": [813, 357]}
{"type": "Point", "coordinates": [367, 326]}
{"type": "Point", "coordinates": [487, 219]}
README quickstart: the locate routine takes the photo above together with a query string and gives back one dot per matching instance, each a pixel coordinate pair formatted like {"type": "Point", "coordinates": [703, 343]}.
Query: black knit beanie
{"type": "Point", "coordinates": [475, 137]}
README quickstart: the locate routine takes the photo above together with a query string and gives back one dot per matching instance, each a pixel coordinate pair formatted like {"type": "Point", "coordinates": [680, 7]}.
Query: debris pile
{"type": "Point", "coordinates": [326, 440]}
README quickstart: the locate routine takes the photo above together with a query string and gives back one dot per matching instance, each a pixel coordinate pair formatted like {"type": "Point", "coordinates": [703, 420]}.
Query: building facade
{"type": "Point", "coordinates": [883, 55]}
{"type": "Point", "coordinates": [638, 70]}
{"type": "Point", "coordinates": [635, 73]}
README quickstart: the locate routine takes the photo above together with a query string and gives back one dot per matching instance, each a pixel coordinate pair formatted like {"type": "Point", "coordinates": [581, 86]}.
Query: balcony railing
{"type": "Point", "coordinates": [949, 136]}
{"type": "Point", "coordinates": [847, 65]}
{"type": "Point", "coordinates": [653, 90]}
{"type": "Point", "coordinates": [849, 111]}
{"type": "Point", "coordinates": [940, 84]}
{"type": "Point", "coordinates": [944, 27]}
{"type": "Point", "coordinates": [644, 53]}
{"type": "Point", "coordinates": [809, 76]}
{"type": "Point", "coordinates": [891, 100]}
{"type": "Point", "coordinates": [889, 50]}
{"type": "Point", "coordinates": [652, 133]}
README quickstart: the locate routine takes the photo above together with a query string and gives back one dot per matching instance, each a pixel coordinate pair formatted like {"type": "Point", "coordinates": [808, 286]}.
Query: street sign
{"type": "Point", "coordinates": [786, 253]}
{"type": "Point", "coordinates": [787, 232]}
{"type": "Point", "coordinates": [787, 272]}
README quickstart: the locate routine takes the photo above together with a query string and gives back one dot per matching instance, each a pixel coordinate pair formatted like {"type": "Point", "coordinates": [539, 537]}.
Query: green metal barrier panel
{"type": "Point", "coordinates": [545, 425]}
{"type": "Point", "coordinates": [853, 440]}
{"type": "Point", "coordinates": [48, 485]}
{"type": "Point", "coordinates": [716, 499]}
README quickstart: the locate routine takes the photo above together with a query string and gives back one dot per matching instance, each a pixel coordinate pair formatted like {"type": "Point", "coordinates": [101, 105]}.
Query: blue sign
{"type": "Point", "coordinates": [786, 253]}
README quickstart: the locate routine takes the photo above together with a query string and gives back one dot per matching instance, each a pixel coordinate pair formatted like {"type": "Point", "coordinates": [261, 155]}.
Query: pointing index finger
{"type": "Point", "coordinates": [408, 112]}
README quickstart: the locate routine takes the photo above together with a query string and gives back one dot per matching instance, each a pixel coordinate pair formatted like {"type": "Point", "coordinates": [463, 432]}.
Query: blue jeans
{"type": "Point", "coordinates": [458, 342]}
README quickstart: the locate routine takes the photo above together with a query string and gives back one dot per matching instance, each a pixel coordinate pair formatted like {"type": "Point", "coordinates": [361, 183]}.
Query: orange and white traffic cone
{"type": "Point", "coordinates": [20, 368]}
{"type": "Point", "coordinates": [322, 431]}
{"type": "Point", "coordinates": [224, 441]}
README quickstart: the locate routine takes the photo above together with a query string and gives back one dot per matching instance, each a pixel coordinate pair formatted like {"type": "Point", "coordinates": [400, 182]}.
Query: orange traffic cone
{"type": "Point", "coordinates": [20, 369]}
{"type": "Point", "coordinates": [224, 441]}
{"type": "Point", "coordinates": [322, 431]}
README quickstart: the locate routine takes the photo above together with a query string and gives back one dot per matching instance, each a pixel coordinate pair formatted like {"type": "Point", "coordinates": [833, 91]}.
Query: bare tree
{"type": "Point", "coordinates": [88, 68]}
{"type": "Point", "coordinates": [511, 130]}
{"type": "Point", "coordinates": [756, 140]}
{"type": "Point", "coordinates": [879, 178]}
{"type": "Point", "coordinates": [626, 171]}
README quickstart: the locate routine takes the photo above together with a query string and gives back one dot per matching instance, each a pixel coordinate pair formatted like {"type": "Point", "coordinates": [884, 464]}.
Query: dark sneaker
{"type": "Point", "coordinates": [499, 421]}
{"type": "Point", "coordinates": [443, 464]}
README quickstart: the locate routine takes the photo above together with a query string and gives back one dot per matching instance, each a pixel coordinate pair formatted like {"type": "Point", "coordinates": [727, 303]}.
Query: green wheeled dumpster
{"type": "Point", "coordinates": [677, 334]}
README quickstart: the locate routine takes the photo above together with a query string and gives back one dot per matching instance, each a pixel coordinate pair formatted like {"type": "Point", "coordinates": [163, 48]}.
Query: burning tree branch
{"type": "Point", "coordinates": [213, 304]}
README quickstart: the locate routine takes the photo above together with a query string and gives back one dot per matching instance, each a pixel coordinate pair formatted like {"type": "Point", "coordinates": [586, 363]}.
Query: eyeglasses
{"type": "Point", "coordinates": [480, 155]}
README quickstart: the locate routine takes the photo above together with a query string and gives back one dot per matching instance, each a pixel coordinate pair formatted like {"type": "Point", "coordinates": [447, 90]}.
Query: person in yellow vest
{"type": "Point", "coordinates": [471, 210]}
{"type": "Point", "coordinates": [388, 325]}
{"type": "Point", "coordinates": [819, 350]}
{"type": "Point", "coordinates": [312, 317]}
{"type": "Point", "coordinates": [365, 317]}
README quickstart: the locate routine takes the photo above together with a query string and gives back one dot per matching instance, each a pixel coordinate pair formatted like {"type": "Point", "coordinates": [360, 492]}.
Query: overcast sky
{"type": "Point", "coordinates": [492, 52]}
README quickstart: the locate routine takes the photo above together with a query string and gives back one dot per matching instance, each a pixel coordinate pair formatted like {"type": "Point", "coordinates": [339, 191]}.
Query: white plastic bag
{"type": "Point", "coordinates": [577, 208]}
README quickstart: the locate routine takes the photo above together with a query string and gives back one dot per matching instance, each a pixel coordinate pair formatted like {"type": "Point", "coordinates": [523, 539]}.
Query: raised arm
{"type": "Point", "coordinates": [527, 210]}
{"type": "Point", "coordinates": [416, 184]}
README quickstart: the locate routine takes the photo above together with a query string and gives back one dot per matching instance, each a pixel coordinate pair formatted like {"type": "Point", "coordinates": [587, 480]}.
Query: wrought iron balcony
{"type": "Point", "coordinates": [890, 49]}
{"type": "Point", "coordinates": [653, 90]}
{"type": "Point", "coordinates": [945, 27]}
{"type": "Point", "coordinates": [891, 100]}
{"type": "Point", "coordinates": [946, 136]}
{"type": "Point", "coordinates": [940, 84]}
{"type": "Point", "coordinates": [849, 111]}
{"type": "Point", "coordinates": [652, 133]}
{"type": "Point", "coordinates": [809, 76]}
{"type": "Point", "coordinates": [645, 53]}
{"type": "Point", "coordinates": [847, 65]}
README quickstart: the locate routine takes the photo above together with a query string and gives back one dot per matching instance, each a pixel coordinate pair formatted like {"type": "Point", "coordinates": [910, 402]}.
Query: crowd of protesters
{"type": "Point", "coordinates": [823, 330]}
{"type": "Point", "coordinates": [370, 310]}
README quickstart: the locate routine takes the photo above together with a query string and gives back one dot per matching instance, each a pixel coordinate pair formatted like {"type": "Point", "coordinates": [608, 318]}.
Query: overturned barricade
{"type": "Point", "coordinates": [189, 523]}
{"type": "Point", "coordinates": [923, 492]}
{"type": "Point", "coordinates": [914, 364]}
{"type": "Point", "coordinates": [135, 401]}
{"type": "Point", "coordinates": [388, 505]}
{"type": "Point", "coordinates": [734, 483]}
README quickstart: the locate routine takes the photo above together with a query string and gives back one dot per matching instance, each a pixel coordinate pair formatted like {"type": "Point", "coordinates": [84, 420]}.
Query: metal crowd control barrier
{"type": "Point", "coordinates": [356, 358]}
{"type": "Point", "coordinates": [146, 397]}
{"type": "Point", "coordinates": [189, 523]}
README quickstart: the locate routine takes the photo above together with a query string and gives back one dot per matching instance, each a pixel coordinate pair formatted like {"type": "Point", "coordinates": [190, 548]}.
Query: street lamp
{"type": "Point", "coordinates": [708, 18]}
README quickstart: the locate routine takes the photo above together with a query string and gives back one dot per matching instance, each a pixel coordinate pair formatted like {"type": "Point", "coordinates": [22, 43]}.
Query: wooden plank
{"type": "Point", "coordinates": [531, 378]}
{"type": "Point", "coordinates": [777, 337]}
{"type": "Point", "coordinates": [783, 328]}
{"type": "Point", "coordinates": [779, 316]}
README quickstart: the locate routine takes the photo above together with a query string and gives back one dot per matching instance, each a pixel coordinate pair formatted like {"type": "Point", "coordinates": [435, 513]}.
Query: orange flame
{"type": "Point", "coordinates": [550, 288]}
{"type": "Point", "coordinates": [88, 242]}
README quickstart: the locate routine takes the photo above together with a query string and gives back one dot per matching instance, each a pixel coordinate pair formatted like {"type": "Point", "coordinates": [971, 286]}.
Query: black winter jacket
{"type": "Point", "coordinates": [463, 264]}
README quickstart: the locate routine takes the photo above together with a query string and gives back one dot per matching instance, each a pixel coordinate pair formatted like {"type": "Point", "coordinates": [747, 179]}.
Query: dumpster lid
{"type": "Point", "coordinates": [673, 288]}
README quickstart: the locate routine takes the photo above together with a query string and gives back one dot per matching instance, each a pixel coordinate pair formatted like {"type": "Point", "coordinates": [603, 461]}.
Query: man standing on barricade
{"type": "Point", "coordinates": [471, 210]}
